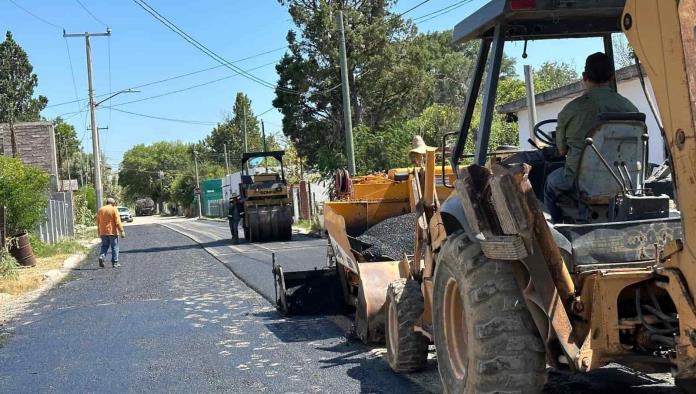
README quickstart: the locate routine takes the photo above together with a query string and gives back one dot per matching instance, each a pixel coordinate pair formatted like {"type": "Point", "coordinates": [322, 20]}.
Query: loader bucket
{"type": "Point", "coordinates": [311, 292]}
{"type": "Point", "coordinates": [370, 316]}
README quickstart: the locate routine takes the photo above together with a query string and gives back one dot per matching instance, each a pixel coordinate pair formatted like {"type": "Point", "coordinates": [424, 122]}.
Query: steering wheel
{"type": "Point", "coordinates": [541, 135]}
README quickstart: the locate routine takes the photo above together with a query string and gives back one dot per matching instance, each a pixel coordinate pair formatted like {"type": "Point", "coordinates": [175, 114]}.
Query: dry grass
{"type": "Point", "coordinates": [29, 279]}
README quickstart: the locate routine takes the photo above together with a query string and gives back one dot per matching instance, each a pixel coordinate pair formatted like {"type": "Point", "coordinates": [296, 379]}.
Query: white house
{"type": "Point", "coordinates": [550, 103]}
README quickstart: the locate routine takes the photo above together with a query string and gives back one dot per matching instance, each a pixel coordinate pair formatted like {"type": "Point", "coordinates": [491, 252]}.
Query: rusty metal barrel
{"type": "Point", "coordinates": [20, 249]}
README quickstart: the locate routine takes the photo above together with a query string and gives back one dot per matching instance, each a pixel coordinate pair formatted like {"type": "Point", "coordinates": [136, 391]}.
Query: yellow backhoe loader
{"type": "Point", "coordinates": [502, 291]}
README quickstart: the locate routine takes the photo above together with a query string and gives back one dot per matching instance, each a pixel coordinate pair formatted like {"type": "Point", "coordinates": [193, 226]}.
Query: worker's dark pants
{"type": "Point", "coordinates": [557, 183]}
{"type": "Point", "coordinates": [234, 228]}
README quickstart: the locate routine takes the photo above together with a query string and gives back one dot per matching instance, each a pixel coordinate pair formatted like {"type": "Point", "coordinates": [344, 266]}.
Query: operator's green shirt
{"type": "Point", "coordinates": [579, 116]}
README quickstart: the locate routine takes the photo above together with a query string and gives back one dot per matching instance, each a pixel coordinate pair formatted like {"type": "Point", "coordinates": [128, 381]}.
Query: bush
{"type": "Point", "coordinates": [45, 249]}
{"type": "Point", "coordinates": [83, 214]}
{"type": "Point", "coordinates": [8, 265]}
{"type": "Point", "coordinates": [23, 190]}
{"type": "Point", "coordinates": [89, 196]}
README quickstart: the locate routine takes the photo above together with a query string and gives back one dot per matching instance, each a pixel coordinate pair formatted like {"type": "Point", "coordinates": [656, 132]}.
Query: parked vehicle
{"type": "Point", "coordinates": [144, 207]}
{"type": "Point", "coordinates": [125, 214]}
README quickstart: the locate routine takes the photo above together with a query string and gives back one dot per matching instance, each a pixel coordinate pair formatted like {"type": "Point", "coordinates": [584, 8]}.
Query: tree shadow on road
{"type": "Point", "coordinates": [366, 364]}
{"type": "Point", "coordinates": [612, 378]}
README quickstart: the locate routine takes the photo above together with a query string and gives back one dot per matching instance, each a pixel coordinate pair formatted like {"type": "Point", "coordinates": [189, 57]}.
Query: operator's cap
{"type": "Point", "coordinates": [233, 195]}
{"type": "Point", "coordinates": [419, 148]}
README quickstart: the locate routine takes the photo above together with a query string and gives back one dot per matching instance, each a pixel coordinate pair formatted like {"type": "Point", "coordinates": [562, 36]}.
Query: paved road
{"type": "Point", "coordinates": [173, 319]}
{"type": "Point", "coordinates": [253, 262]}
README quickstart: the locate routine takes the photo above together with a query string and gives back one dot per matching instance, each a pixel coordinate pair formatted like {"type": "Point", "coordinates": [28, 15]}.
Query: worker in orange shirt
{"type": "Point", "coordinates": [109, 227]}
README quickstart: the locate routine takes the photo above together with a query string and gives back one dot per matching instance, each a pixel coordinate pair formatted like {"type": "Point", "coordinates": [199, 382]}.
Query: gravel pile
{"type": "Point", "coordinates": [390, 239]}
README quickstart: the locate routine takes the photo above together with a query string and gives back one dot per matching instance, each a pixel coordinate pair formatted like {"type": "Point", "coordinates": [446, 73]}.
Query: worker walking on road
{"type": "Point", "coordinates": [234, 215]}
{"type": "Point", "coordinates": [109, 226]}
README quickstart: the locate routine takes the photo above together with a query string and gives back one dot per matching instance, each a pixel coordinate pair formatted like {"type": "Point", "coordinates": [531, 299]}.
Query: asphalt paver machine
{"type": "Point", "coordinates": [502, 291]}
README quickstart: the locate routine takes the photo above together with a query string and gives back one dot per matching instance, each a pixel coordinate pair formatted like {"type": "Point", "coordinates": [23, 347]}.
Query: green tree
{"type": "Point", "coordinates": [149, 170]}
{"type": "Point", "coordinates": [395, 74]}
{"type": "Point", "coordinates": [231, 132]}
{"type": "Point", "coordinates": [387, 75]}
{"type": "Point", "coordinates": [67, 146]}
{"type": "Point", "coordinates": [553, 75]}
{"type": "Point", "coordinates": [17, 83]}
{"type": "Point", "coordinates": [183, 184]}
{"type": "Point", "coordinates": [23, 190]}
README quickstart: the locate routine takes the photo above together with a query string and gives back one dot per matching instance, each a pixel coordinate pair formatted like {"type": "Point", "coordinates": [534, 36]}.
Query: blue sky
{"type": "Point", "coordinates": [142, 51]}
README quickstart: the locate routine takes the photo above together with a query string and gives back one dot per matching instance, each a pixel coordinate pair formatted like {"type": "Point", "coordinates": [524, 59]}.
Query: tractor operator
{"type": "Point", "coordinates": [575, 122]}
{"type": "Point", "coordinates": [234, 215]}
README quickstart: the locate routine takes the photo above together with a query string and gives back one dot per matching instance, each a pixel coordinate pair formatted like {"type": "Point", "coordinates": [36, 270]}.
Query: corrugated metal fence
{"type": "Point", "coordinates": [60, 219]}
{"type": "Point", "coordinates": [215, 208]}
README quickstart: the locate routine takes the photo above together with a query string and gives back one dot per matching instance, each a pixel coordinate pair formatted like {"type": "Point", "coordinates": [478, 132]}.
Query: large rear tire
{"type": "Point", "coordinates": [407, 350]}
{"type": "Point", "coordinates": [484, 335]}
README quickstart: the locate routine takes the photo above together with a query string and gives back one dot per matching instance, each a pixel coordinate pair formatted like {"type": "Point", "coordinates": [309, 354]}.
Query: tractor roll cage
{"type": "Point", "coordinates": [276, 154]}
{"type": "Point", "coordinates": [514, 20]}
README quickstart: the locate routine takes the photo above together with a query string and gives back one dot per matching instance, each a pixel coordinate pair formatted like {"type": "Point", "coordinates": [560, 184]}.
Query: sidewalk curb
{"type": "Point", "coordinates": [13, 306]}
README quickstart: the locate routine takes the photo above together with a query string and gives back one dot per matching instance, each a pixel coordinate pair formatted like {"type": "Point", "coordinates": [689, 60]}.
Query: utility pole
{"type": "Point", "coordinates": [244, 130]}
{"type": "Point", "coordinates": [198, 185]}
{"type": "Point", "coordinates": [244, 136]}
{"type": "Point", "coordinates": [227, 160]}
{"type": "Point", "coordinates": [92, 109]}
{"type": "Point", "coordinates": [263, 139]}
{"type": "Point", "coordinates": [347, 119]}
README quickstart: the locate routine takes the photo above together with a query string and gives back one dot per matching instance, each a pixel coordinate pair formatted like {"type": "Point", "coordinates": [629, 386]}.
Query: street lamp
{"type": "Point", "coordinates": [95, 133]}
{"type": "Point", "coordinates": [116, 94]}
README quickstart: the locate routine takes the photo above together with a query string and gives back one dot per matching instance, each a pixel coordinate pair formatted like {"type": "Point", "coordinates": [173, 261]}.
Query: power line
{"type": "Point", "coordinates": [188, 88]}
{"type": "Point", "coordinates": [173, 27]}
{"type": "Point", "coordinates": [441, 11]}
{"type": "Point", "coordinates": [36, 16]}
{"type": "Point", "coordinates": [414, 7]}
{"type": "Point", "coordinates": [90, 13]}
{"type": "Point", "coordinates": [265, 112]}
{"type": "Point", "coordinates": [210, 53]}
{"type": "Point", "coordinates": [174, 77]}
{"type": "Point", "coordinates": [109, 54]}
{"type": "Point", "coordinates": [72, 74]}
{"type": "Point", "coordinates": [197, 122]}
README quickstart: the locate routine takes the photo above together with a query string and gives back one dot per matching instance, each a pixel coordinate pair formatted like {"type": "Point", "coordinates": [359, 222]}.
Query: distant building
{"type": "Point", "coordinates": [36, 145]}
{"type": "Point", "coordinates": [550, 103]}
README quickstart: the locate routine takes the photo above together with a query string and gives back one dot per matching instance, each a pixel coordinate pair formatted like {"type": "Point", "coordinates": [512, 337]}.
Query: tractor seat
{"type": "Point", "coordinates": [620, 139]}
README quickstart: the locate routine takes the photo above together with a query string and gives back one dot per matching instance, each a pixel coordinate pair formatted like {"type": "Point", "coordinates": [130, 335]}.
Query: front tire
{"type": "Point", "coordinates": [407, 350]}
{"type": "Point", "coordinates": [484, 335]}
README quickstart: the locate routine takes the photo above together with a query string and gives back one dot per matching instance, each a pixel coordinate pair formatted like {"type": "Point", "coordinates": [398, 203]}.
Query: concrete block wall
{"type": "Point", "coordinates": [36, 145]}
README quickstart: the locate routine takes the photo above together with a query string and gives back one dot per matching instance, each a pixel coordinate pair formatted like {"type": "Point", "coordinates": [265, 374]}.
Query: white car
{"type": "Point", "coordinates": [125, 214]}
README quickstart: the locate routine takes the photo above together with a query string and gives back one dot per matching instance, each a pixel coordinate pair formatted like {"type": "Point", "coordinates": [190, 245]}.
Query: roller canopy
{"type": "Point", "coordinates": [542, 19]}
{"type": "Point", "coordinates": [277, 154]}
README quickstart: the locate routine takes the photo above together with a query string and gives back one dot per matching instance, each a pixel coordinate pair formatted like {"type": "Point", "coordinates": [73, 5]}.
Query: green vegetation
{"type": "Point", "coordinates": [402, 82]}
{"type": "Point", "coordinates": [23, 190]}
{"type": "Point", "coordinates": [8, 265]}
{"type": "Point", "coordinates": [17, 83]}
{"type": "Point", "coordinates": [312, 225]}
{"type": "Point", "coordinates": [43, 249]}
{"type": "Point", "coordinates": [67, 146]}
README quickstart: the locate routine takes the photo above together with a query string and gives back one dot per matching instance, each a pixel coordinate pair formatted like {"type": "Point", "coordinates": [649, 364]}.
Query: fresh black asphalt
{"type": "Point", "coordinates": [253, 262]}
{"type": "Point", "coordinates": [173, 319]}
